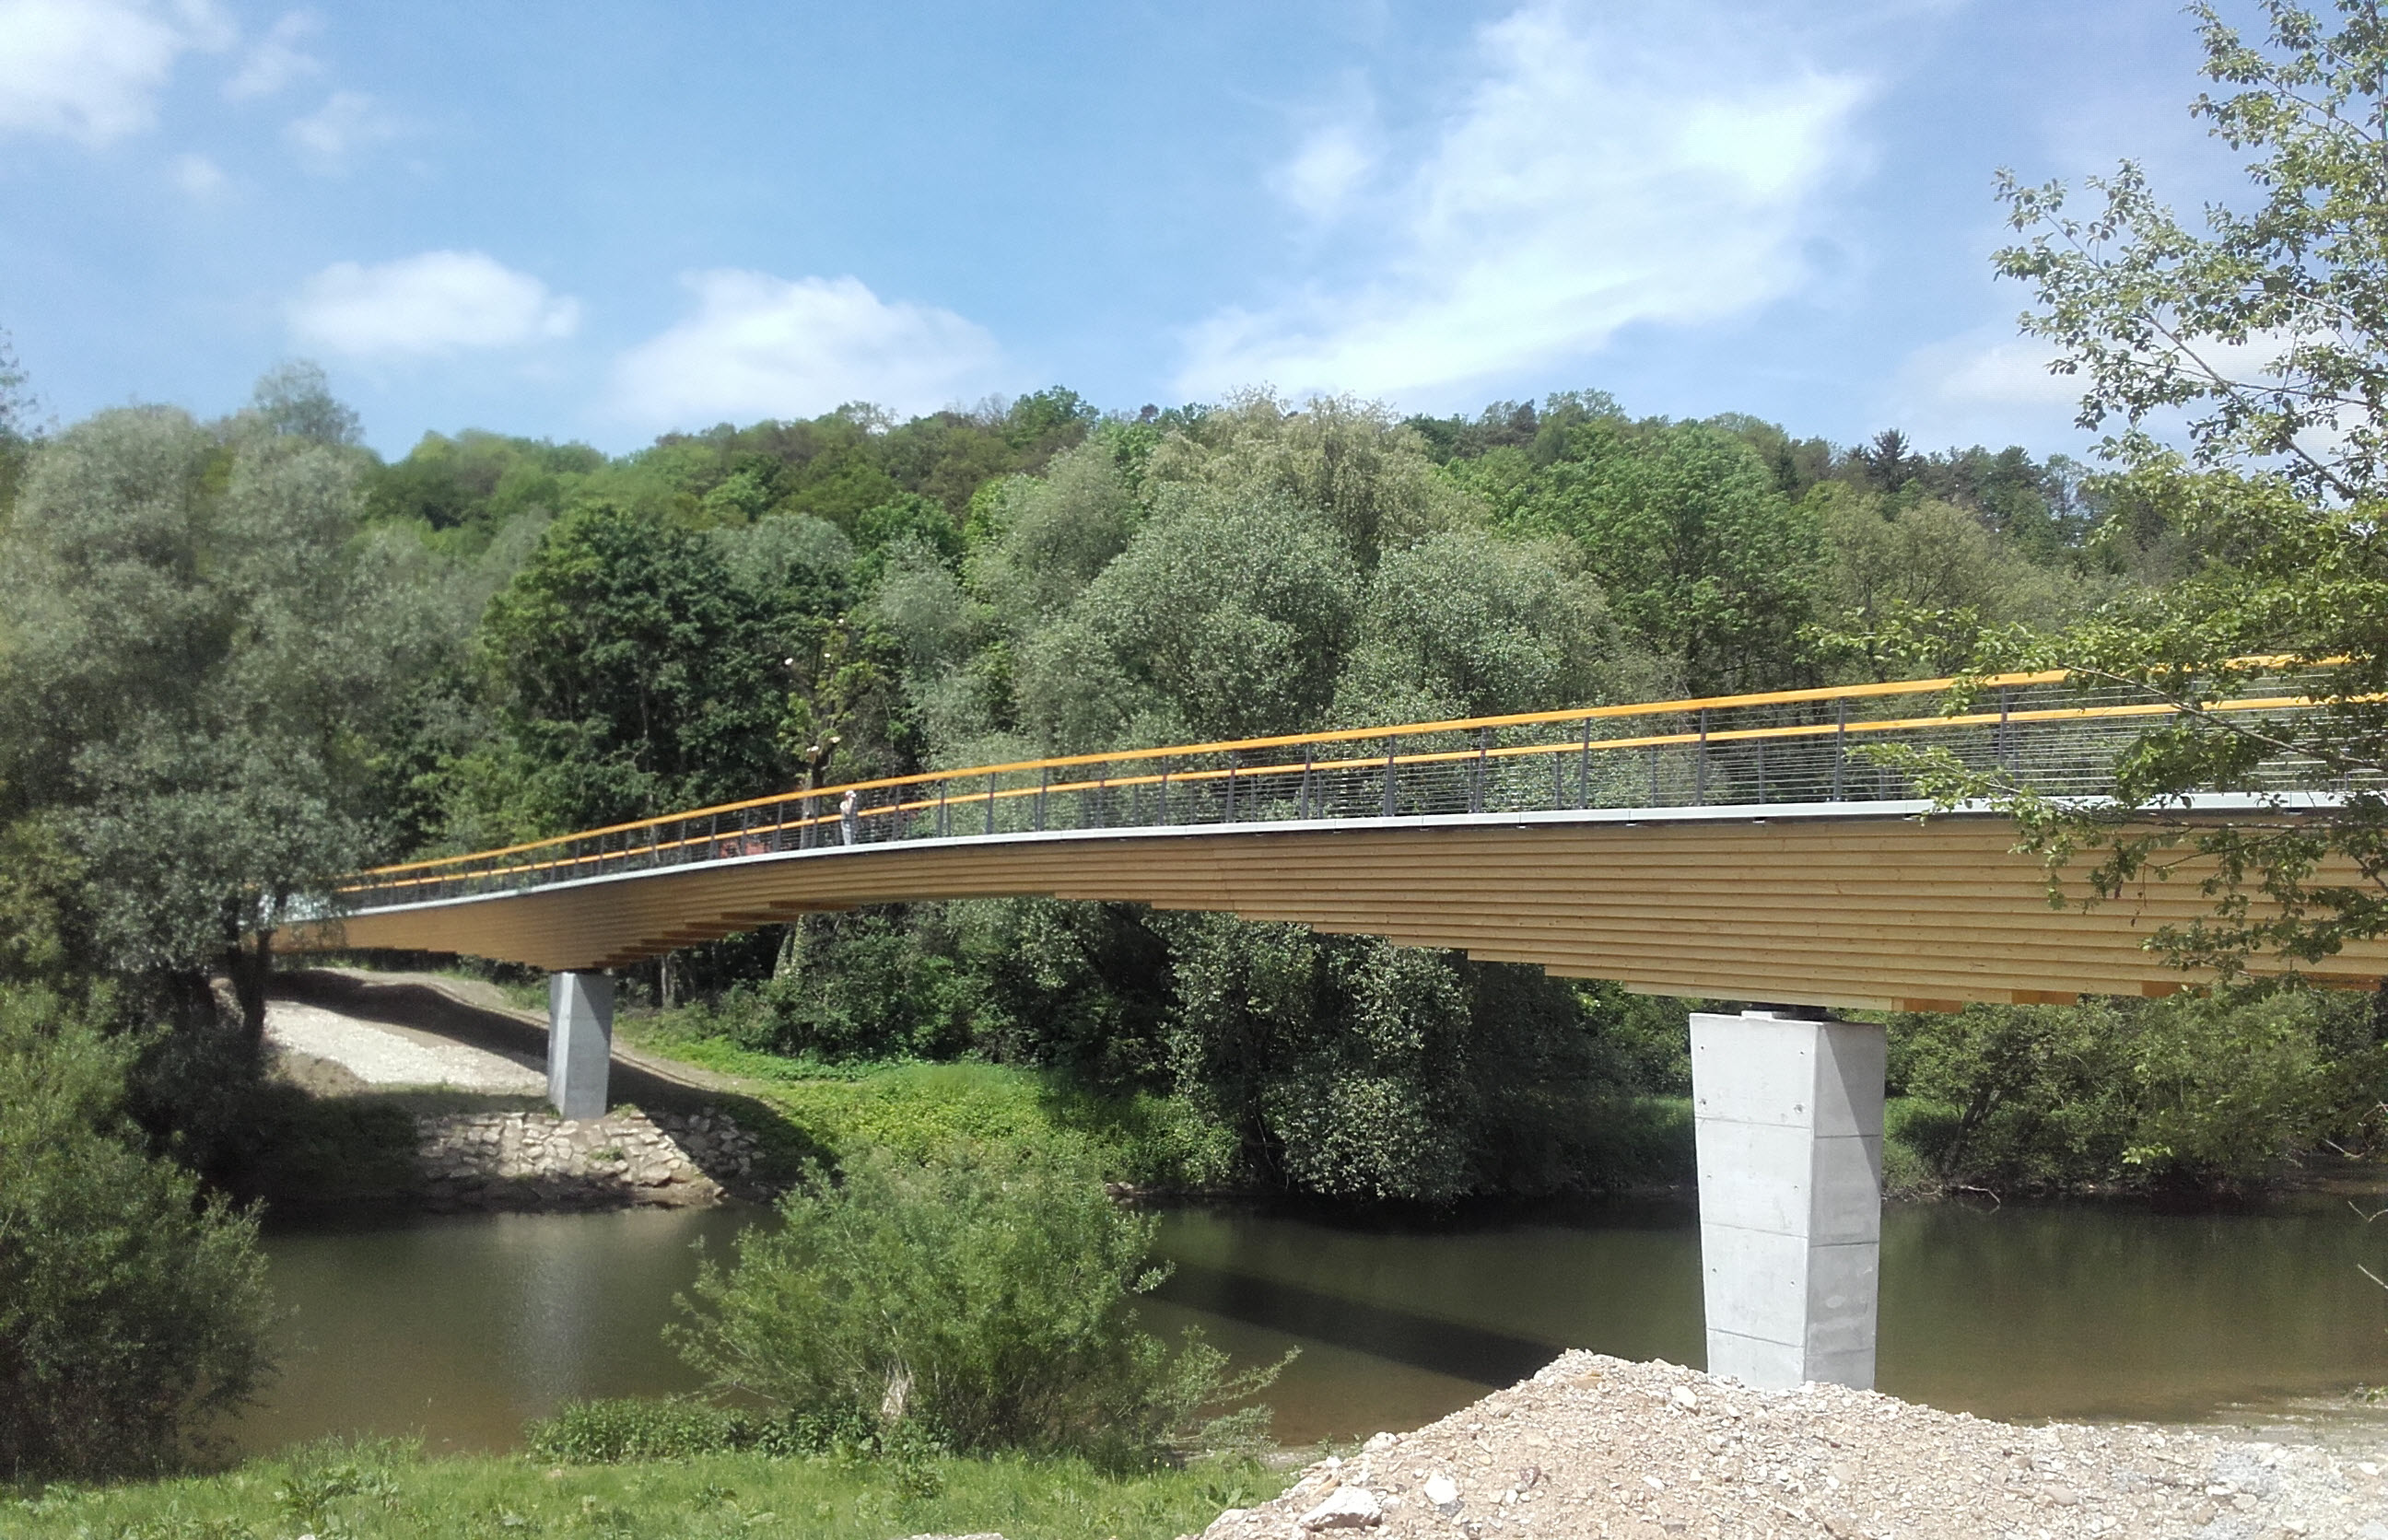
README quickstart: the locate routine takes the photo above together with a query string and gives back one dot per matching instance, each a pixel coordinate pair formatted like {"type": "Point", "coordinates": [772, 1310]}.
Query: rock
{"type": "Point", "coordinates": [1379, 1443]}
{"type": "Point", "coordinates": [1345, 1507]}
{"type": "Point", "coordinates": [1442, 1492]}
{"type": "Point", "coordinates": [1684, 1396]}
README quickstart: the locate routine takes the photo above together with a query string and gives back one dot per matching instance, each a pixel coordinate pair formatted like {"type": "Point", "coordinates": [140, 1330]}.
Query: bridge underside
{"type": "Point", "coordinates": [1829, 906]}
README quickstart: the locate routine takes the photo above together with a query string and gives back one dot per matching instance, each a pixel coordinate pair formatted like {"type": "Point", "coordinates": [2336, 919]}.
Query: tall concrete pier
{"type": "Point", "coordinates": [1787, 1112]}
{"type": "Point", "coordinates": [579, 1043]}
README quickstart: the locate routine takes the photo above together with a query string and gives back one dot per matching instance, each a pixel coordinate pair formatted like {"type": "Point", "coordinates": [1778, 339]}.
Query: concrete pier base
{"type": "Point", "coordinates": [1787, 1114]}
{"type": "Point", "coordinates": [579, 1043]}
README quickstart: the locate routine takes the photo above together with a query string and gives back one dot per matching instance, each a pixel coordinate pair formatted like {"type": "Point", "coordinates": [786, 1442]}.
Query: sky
{"type": "Point", "coordinates": [602, 221]}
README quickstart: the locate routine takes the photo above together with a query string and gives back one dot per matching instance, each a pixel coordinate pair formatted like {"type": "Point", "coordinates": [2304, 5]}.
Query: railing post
{"type": "Point", "coordinates": [1393, 802]}
{"type": "Point", "coordinates": [2007, 757]}
{"type": "Point", "coordinates": [944, 823]}
{"type": "Point", "coordinates": [1161, 815]}
{"type": "Point", "coordinates": [1044, 784]}
{"type": "Point", "coordinates": [1840, 743]}
{"type": "Point", "coordinates": [1302, 799]}
{"type": "Point", "coordinates": [1654, 774]}
{"type": "Point", "coordinates": [990, 801]}
{"type": "Point", "coordinates": [1229, 816]}
{"type": "Point", "coordinates": [1700, 766]}
{"type": "Point", "coordinates": [1476, 782]}
{"type": "Point", "coordinates": [1584, 770]}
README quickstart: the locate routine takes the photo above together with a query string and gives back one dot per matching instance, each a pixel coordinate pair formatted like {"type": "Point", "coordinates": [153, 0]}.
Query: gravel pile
{"type": "Point", "coordinates": [1594, 1446]}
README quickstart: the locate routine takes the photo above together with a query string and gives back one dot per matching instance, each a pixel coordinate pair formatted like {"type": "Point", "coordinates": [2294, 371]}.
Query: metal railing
{"type": "Point", "coordinates": [1786, 747]}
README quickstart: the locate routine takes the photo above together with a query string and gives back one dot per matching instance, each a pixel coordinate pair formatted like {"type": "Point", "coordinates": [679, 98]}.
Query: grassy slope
{"type": "Point", "coordinates": [823, 1110]}
{"type": "Point", "coordinates": [371, 1491]}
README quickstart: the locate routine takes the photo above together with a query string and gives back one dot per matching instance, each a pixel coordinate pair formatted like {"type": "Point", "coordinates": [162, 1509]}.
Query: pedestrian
{"type": "Point", "coordinates": [849, 820]}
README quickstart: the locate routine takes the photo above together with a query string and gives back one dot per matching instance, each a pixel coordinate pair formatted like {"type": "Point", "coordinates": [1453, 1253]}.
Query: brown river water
{"type": "Point", "coordinates": [458, 1329]}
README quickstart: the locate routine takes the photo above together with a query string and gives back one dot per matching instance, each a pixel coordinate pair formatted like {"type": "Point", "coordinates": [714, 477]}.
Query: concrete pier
{"type": "Point", "coordinates": [1787, 1113]}
{"type": "Point", "coordinates": [579, 1043]}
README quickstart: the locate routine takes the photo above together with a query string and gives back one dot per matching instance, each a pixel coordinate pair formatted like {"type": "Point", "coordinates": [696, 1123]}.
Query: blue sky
{"type": "Point", "coordinates": [602, 220]}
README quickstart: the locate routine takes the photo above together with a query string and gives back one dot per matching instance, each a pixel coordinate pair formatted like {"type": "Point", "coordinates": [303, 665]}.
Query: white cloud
{"type": "Point", "coordinates": [1983, 386]}
{"type": "Point", "coordinates": [441, 302]}
{"type": "Point", "coordinates": [766, 346]}
{"type": "Point", "coordinates": [277, 59]}
{"type": "Point", "coordinates": [197, 175]}
{"type": "Point", "coordinates": [1589, 179]}
{"type": "Point", "coordinates": [349, 121]}
{"type": "Point", "coordinates": [92, 69]}
{"type": "Point", "coordinates": [1327, 171]}
{"type": "Point", "coordinates": [1978, 370]}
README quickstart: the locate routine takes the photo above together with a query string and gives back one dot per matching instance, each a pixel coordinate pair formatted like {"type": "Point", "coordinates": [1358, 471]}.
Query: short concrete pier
{"type": "Point", "coordinates": [1787, 1113]}
{"type": "Point", "coordinates": [579, 1043]}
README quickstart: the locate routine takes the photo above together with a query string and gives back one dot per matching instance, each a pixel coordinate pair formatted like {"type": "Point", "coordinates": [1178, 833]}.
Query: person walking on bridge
{"type": "Point", "coordinates": [849, 820]}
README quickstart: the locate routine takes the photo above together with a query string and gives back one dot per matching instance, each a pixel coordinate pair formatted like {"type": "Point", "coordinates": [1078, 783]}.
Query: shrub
{"type": "Point", "coordinates": [614, 1430]}
{"type": "Point", "coordinates": [2193, 1091]}
{"type": "Point", "coordinates": [986, 1296]}
{"type": "Point", "coordinates": [130, 1311]}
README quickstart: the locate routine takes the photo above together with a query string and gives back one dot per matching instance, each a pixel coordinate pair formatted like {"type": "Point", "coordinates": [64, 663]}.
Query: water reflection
{"type": "Point", "coordinates": [459, 1328]}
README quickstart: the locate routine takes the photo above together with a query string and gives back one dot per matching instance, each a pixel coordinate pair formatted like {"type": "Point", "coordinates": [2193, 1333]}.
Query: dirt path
{"type": "Point", "coordinates": [399, 1021]}
{"type": "Point", "coordinates": [1598, 1447]}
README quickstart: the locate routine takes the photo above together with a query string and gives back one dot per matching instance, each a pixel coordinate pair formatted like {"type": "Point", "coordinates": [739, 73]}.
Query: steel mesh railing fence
{"type": "Point", "coordinates": [1793, 747]}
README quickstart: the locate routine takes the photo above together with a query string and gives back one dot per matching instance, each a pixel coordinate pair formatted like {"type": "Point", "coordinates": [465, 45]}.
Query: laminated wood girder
{"type": "Point", "coordinates": [1855, 906]}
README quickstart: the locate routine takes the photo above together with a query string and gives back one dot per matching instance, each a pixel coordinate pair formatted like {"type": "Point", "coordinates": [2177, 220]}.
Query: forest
{"type": "Point", "coordinates": [259, 656]}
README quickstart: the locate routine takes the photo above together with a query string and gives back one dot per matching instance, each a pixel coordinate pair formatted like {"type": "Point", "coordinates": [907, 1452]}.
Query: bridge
{"type": "Point", "coordinates": [1765, 847]}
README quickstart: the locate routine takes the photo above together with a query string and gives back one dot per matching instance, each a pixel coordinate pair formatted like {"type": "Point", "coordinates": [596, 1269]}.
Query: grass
{"type": "Point", "coordinates": [826, 1110]}
{"type": "Point", "coordinates": [374, 1489]}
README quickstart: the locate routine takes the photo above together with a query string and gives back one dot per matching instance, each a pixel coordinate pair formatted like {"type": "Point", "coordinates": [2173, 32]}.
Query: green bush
{"type": "Point", "coordinates": [984, 1296]}
{"type": "Point", "coordinates": [131, 1312]}
{"type": "Point", "coordinates": [612, 1432]}
{"type": "Point", "coordinates": [2193, 1091]}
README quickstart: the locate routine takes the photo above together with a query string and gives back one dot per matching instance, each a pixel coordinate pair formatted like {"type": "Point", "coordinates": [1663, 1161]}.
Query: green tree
{"type": "Point", "coordinates": [635, 676]}
{"type": "Point", "coordinates": [132, 1312]}
{"type": "Point", "coordinates": [205, 640]}
{"type": "Point", "coordinates": [1703, 559]}
{"type": "Point", "coordinates": [2266, 334]}
{"type": "Point", "coordinates": [2193, 1091]}
{"type": "Point", "coordinates": [1231, 614]}
{"type": "Point", "coordinates": [1467, 624]}
{"type": "Point", "coordinates": [1351, 460]}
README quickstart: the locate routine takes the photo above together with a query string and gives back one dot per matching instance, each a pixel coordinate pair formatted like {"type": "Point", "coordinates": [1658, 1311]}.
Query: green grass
{"type": "Point", "coordinates": [372, 1490]}
{"type": "Point", "coordinates": [912, 1107]}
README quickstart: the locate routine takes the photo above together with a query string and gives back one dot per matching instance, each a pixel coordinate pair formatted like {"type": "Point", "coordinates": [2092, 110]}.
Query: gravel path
{"type": "Point", "coordinates": [1597, 1447]}
{"type": "Point", "coordinates": [386, 1055]}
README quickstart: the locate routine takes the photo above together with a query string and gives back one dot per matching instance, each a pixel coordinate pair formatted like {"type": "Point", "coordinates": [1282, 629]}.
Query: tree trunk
{"type": "Point", "coordinates": [250, 969]}
{"type": "Point", "coordinates": [667, 981]}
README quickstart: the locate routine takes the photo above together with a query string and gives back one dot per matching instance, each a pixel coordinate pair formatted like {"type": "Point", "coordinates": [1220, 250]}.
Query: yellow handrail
{"type": "Point", "coordinates": [1583, 713]}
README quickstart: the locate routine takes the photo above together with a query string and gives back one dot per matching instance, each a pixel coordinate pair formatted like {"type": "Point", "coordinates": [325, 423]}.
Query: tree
{"type": "Point", "coordinates": [205, 640]}
{"type": "Point", "coordinates": [132, 1311]}
{"type": "Point", "coordinates": [1227, 616]}
{"type": "Point", "coordinates": [2268, 335]}
{"type": "Point", "coordinates": [635, 676]}
{"type": "Point", "coordinates": [1351, 460]}
{"type": "Point", "coordinates": [1467, 624]}
{"type": "Point", "coordinates": [1703, 559]}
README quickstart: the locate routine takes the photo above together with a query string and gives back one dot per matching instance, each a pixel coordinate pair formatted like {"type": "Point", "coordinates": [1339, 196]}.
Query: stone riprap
{"type": "Point", "coordinates": [626, 1159]}
{"type": "Point", "coordinates": [1597, 1447]}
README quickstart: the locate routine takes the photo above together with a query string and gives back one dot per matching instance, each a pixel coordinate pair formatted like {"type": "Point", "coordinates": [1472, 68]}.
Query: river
{"type": "Point", "coordinates": [458, 1329]}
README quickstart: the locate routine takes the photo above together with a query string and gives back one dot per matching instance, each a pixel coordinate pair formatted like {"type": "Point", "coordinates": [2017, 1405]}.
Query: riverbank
{"type": "Point", "coordinates": [1588, 1447]}
{"type": "Point", "coordinates": [387, 1491]}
